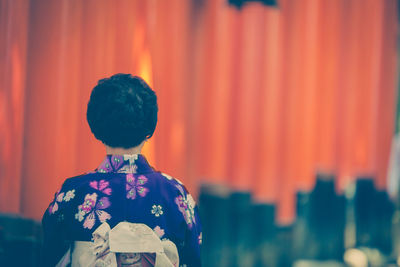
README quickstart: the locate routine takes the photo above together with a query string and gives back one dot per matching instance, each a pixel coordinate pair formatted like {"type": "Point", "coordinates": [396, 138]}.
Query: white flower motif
{"type": "Point", "coordinates": [60, 197]}
{"type": "Point", "coordinates": [80, 215]}
{"type": "Point", "coordinates": [157, 210]}
{"type": "Point", "coordinates": [69, 195]}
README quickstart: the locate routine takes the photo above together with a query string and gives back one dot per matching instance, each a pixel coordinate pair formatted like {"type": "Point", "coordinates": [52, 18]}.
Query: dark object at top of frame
{"type": "Point", "coordinates": [239, 3]}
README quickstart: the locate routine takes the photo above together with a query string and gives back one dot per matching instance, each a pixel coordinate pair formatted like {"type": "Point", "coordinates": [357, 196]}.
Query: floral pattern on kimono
{"type": "Point", "coordinates": [157, 210]}
{"type": "Point", "coordinates": [91, 208]}
{"type": "Point", "coordinates": [135, 186]}
{"type": "Point", "coordinates": [60, 197]}
{"type": "Point", "coordinates": [101, 186]}
{"type": "Point", "coordinates": [54, 205]}
{"type": "Point", "coordinates": [186, 206]}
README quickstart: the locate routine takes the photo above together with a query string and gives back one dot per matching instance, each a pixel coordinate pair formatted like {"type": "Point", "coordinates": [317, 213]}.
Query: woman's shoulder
{"type": "Point", "coordinates": [167, 179]}
{"type": "Point", "coordinates": [78, 179]}
{"type": "Point", "coordinates": [87, 179]}
{"type": "Point", "coordinates": [169, 182]}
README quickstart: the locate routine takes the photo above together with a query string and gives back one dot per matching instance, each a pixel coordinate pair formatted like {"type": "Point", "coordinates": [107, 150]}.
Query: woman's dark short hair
{"type": "Point", "coordinates": [122, 111]}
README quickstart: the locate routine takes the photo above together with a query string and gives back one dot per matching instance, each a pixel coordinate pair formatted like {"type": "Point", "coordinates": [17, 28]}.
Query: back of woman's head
{"type": "Point", "coordinates": [122, 111]}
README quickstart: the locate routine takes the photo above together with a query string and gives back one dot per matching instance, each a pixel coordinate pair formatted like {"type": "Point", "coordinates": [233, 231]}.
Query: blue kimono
{"type": "Point", "coordinates": [122, 188]}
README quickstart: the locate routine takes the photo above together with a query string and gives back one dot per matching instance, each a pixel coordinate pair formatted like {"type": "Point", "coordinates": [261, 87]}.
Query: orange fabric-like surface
{"type": "Point", "coordinates": [259, 99]}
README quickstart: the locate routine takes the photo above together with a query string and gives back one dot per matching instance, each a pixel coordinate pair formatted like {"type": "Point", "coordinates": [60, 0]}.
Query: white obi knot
{"type": "Point", "coordinates": [127, 244]}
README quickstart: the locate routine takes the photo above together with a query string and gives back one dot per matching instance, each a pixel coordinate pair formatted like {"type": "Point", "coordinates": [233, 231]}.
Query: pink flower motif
{"type": "Point", "coordinates": [90, 201]}
{"type": "Point", "coordinates": [135, 186]}
{"type": "Point", "coordinates": [102, 186]}
{"type": "Point", "coordinates": [159, 232]}
{"type": "Point", "coordinates": [89, 221]}
{"type": "Point", "coordinates": [92, 207]}
{"type": "Point", "coordinates": [53, 208]}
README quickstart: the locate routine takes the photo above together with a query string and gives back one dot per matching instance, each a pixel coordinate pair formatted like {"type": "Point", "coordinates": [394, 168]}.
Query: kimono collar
{"type": "Point", "coordinates": [135, 163]}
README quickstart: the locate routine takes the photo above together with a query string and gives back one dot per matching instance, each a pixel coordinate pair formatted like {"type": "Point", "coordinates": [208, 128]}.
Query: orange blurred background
{"type": "Point", "coordinates": [259, 99]}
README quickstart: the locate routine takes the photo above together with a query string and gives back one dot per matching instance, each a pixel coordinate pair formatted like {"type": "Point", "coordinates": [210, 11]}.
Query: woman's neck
{"type": "Point", "coordinates": [124, 151]}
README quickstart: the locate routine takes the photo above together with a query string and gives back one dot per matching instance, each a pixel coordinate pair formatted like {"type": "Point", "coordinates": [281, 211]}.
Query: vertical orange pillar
{"type": "Point", "coordinates": [289, 107]}
{"type": "Point", "coordinates": [387, 85]}
{"type": "Point", "coordinates": [327, 86]}
{"type": "Point", "coordinates": [269, 135]}
{"type": "Point", "coordinates": [349, 79]}
{"type": "Point", "coordinates": [219, 95]}
{"type": "Point", "coordinates": [247, 85]}
{"type": "Point", "coordinates": [13, 45]}
{"type": "Point", "coordinates": [51, 102]}
{"type": "Point", "coordinates": [205, 25]}
{"type": "Point", "coordinates": [312, 29]}
{"type": "Point", "coordinates": [364, 123]}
